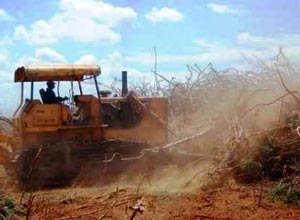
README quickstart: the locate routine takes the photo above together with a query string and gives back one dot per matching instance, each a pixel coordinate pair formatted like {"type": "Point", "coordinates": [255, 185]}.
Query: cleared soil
{"type": "Point", "coordinates": [235, 202]}
{"type": "Point", "coordinates": [159, 198]}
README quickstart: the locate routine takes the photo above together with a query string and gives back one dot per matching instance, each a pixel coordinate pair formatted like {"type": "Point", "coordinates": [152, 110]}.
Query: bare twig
{"type": "Point", "coordinates": [261, 188]}
{"type": "Point", "coordinates": [268, 103]}
{"type": "Point", "coordinates": [33, 164]}
{"type": "Point", "coordinates": [293, 93]}
{"type": "Point", "coordinates": [29, 206]}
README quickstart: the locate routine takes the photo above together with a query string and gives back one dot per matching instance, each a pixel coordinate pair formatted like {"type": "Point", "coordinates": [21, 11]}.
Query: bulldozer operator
{"type": "Point", "coordinates": [49, 96]}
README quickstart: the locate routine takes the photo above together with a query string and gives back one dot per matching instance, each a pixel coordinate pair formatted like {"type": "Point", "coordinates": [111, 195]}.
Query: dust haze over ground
{"type": "Point", "coordinates": [237, 109]}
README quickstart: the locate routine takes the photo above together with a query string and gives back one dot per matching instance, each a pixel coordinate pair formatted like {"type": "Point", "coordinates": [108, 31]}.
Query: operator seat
{"type": "Point", "coordinates": [43, 96]}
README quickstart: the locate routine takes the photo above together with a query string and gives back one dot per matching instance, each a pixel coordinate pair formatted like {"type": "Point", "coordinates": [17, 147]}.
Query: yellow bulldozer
{"type": "Point", "coordinates": [51, 143]}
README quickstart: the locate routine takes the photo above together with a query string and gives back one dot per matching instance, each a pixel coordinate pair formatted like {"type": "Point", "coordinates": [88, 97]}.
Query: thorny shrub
{"type": "Point", "coordinates": [240, 106]}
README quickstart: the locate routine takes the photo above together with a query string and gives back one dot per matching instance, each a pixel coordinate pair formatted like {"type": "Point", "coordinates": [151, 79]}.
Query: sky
{"type": "Point", "coordinates": [121, 35]}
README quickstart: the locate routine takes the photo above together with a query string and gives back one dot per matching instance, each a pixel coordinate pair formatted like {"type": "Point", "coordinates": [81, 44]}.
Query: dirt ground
{"type": "Point", "coordinates": [235, 202]}
{"type": "Point", "coordinates": [166, 199]}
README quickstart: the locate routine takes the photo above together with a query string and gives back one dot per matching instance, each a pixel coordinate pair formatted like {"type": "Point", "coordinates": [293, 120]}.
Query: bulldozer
{"type": "Point", "coordinates": [55, 144]}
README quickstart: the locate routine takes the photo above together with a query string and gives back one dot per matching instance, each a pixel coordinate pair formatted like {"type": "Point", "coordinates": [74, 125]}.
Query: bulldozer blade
{"type": "Point", "coordinates": [4, 157]}
{"type": "Point", "coordinates": [5, 141]}
{"type": "Point", "coordinates": [5, 138]}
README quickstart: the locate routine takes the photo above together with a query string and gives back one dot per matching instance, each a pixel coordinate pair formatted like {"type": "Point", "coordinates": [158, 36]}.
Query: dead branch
{"type": "Point", "coordinates": [288, 90]}
{"type": "Point", "coordinates": [29, 206]}
{"type": "Point", "coordinates": [139, 207]}
{"type": "Point", "coordinates": [33, 164]}
{"type": "Point", "coordinates": [268, 103]}
{"type": "Point", "coordinates": [188, 183]}
{"type": "Point", "coordinates": [184, 140]}
{"type": "Point", "coordinates": [114, 204]}
{"type": "Point", "coordinates": [108, 210]}
{"type": "Point", "coordinates": [261, 189]}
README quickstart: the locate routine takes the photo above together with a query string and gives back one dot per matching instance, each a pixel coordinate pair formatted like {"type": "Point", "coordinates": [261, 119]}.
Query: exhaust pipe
{"type": "Point", "coordinates": [124, 83]}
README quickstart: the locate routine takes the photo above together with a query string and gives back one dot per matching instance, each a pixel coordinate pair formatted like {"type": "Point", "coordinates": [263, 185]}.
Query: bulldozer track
{"type": "Point", "coordinates": [69, 156]}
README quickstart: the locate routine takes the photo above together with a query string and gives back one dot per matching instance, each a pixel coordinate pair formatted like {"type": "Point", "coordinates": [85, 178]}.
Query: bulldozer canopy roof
{"type": "Point", "coordinates": [55, 73]}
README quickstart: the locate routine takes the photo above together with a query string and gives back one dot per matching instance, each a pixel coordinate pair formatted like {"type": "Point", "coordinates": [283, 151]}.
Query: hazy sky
{"type": "Point", "coordinates": [121, 34]}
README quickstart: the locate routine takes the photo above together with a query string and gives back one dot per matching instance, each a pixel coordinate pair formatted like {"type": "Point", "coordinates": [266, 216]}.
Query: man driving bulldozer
{"type": "Point", "coordinates": [49, 96]}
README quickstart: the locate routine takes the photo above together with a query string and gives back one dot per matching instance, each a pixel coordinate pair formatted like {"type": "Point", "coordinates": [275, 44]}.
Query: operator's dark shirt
{"type": "Point", "coordinates": [51, 98]}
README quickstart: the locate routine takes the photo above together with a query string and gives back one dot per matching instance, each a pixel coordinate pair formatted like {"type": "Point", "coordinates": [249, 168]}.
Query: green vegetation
{"type": "Point", "coordinates": [7, 208]}
{"type": "Point", "coordinates": [288, 191]}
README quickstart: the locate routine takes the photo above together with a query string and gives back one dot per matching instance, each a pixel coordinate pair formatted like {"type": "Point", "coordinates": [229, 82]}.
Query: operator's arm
{"type": "Point", "coordinates": [60, 99]}
{"type": "Point", "coordinates": [53, 99]}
